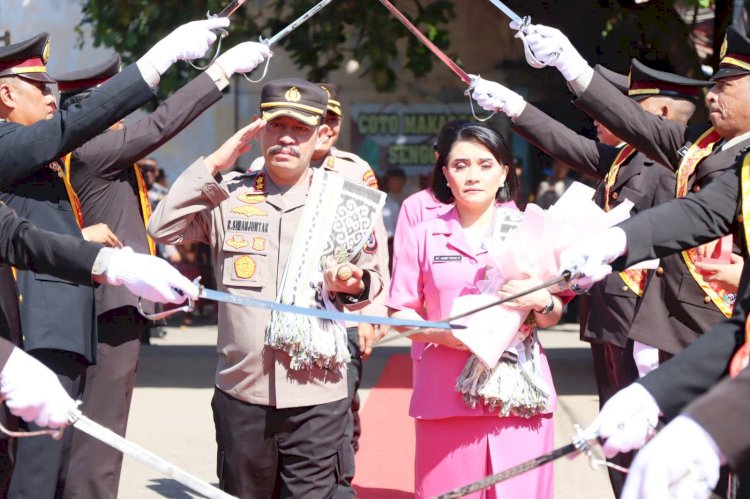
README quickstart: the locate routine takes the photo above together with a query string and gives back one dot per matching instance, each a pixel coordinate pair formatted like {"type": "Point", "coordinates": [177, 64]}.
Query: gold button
{"type": "Point", "coordinates": [660, 271]}
{"type": "Point", "coordinates": [706, 300]}
{"type": "Point", "coordinates": [740, 219]}
{"type": "Point", "coordinates": [615, 195]}
{"type": "Point", "coordinates": [625, 288]}
{"type": "Point", "coordinates": [696, 188]}
{"type": "Point", "coordinates": [20, 298]}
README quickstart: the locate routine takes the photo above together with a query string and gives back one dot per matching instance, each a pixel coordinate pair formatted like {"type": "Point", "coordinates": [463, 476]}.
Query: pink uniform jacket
{"type": "Point", "coordinates": [435, 266]}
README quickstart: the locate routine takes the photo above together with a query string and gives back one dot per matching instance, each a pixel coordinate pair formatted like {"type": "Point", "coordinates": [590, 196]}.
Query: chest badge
{"type": "Point", "coordinates": [249, 211]}
{"type": "Point", "coordinates": [259, 243]}
{"type": "Point", "coordinates": [244, 267]}
{"type": "Point", "coordinates": [237, 242]}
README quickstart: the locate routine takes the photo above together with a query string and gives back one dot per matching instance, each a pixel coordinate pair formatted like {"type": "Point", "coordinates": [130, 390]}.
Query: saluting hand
{"type": "Point", "coordinates": [238, 144]}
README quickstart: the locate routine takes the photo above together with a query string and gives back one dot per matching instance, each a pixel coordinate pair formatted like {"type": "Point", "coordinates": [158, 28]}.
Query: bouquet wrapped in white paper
{"type": "Point", "coordinates": [504, 371]}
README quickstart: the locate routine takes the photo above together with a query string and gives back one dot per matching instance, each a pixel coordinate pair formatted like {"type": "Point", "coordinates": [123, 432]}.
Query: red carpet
{"type": "Point", "coordinates": [385, 461]}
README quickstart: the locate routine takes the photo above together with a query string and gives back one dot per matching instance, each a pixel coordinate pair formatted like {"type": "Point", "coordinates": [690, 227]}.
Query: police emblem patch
{"type": "Point", "coordinates": [372, 244]}
{"type": "Point", "coordinates": [293, 95]}
{"type": "Point", "coordinates": [370, 179]}
{"type": "Point", "coordinates": [244, 267]}
{"type": "Point", "coordinates": [259, 243]}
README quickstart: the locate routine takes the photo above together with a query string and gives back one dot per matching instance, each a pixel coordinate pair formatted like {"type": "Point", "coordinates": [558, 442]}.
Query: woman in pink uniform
{"type": "Point", "coordinates": [440, 260]}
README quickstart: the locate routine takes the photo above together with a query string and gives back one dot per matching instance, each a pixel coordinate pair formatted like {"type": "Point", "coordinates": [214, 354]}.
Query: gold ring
{"type": "Point", "coordinates": [344, 273]}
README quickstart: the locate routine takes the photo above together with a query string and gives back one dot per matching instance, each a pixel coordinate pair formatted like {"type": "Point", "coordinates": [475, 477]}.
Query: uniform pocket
{"type": "Point", "coordinates": [245, 261]}
{"type": "Point", "coordinates": [690, 292]}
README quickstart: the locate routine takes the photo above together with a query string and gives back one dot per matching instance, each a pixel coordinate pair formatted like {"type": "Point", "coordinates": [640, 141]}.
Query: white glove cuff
{"type": "Point", "coordinates": [514, 106]}
{"type": "Point", "coordinates": [573, 66]}
{"type": "Point", "coordinates": [648, 402]}
{"type": "Point", "coordinates": [618, 245]}
{"type": "Point", "coordinates": [117, 271]}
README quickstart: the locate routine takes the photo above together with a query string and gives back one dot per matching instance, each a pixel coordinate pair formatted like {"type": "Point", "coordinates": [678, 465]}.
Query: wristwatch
{"type": "Point", "coordinates": [548, 308]}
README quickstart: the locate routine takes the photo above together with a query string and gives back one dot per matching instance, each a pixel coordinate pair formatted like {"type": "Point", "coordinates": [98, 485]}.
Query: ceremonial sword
{"type": "Point", "coordinates": [566, 276]}
{"type": "Point", "coordinates": [522, 25]}
{"type": "Point", "coordinates": [465, 77]}
{"type": "Point", "coordinates": [334, 315]}
{"type": "Point", "coordinates": [107, 436]}
{"type": "Point", "coordinates": [581, 444]}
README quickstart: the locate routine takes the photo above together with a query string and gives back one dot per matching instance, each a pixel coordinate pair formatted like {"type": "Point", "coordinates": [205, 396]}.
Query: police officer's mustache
{"type": "Point", "coordinates": [290, 150]}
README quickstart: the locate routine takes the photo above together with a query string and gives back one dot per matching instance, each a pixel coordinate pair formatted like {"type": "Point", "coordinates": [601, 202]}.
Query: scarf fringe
{"type": "Point", "coordinates": [309, 341]}
{"type": "Point", "coordinates": [514, 387]}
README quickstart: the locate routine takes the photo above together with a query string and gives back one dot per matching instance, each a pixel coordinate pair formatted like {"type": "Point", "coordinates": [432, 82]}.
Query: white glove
{"type": "Point", "coordinates": [495, 97]}
{"type": "Point", "coordinates": [592, 255]}
{"type": "Point", "coordinates": [243, 58]}
{"type": "Point", "coordinates": [149, 277]}
{"type": "Point", "coordinates": [682, 461]}
{"type": "Point", "coordinates": [189, 41]}
{"type": "Point", "coordinates": [627, 421]}
{"type": "Point", "coordinates": [33, 392]}
{"type": "Point", "coordinates": [553, 48]}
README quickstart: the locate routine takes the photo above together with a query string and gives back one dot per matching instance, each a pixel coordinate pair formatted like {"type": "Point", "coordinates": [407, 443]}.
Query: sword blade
{"type": "Point", "coordinates": [112, 439]}
{"type": "Point", "coordinates": [247, 301]}
{"type": "Point", "coordinates": [507, 11]}
{"type": "Point", "coordinates": [231, 8]}
{"type": "Point", "coordinates": [428, 43]}
{"type": "Point", "coordinates": [450, 320]}
{"type": "Point", "coordinates": [510, 473]}
{"type": "Point", "coordinates": [298, 22]}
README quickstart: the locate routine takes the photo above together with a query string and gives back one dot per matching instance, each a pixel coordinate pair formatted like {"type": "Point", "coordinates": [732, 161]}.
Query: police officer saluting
{"type": "Point", "coordinates": [57, 316]}
{"type": "Point", "coordinates": [280, 404]}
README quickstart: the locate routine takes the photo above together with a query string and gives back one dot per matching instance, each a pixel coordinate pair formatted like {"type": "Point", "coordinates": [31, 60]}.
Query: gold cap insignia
{"type": "Point", "coordinates": [723, 48]}
{"type": "Point", "coordinates": [293, 95]}
{"type": "Point", "coordinates": [45, 52]}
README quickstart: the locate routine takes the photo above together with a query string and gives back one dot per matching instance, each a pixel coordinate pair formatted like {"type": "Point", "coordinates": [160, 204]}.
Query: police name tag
{"type": "Point", "coordinates": [447, 258]}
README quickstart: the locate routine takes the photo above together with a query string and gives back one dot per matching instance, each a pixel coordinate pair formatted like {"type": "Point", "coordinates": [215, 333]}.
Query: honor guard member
{"type": "Point", "coordinates": [719, 208]}
{"type": "Point", "coordinates": [112, 191]}
{"type": "Point", "coordinates": [698, 154]}
{"type": "Point", "coordinates": [279, 426]}
{"type": "Point", "coordinates": [613, 305]}
{"type": "Point", "coordinates": [33, 138]}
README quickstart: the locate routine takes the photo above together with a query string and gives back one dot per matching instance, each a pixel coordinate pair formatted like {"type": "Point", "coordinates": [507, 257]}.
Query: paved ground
{"type": "Point", "coordinates": [171, 414]}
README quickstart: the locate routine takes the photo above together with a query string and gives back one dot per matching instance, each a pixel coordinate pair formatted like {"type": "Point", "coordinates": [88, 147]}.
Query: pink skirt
{"type": "Point", "coordinates": [454, 452]}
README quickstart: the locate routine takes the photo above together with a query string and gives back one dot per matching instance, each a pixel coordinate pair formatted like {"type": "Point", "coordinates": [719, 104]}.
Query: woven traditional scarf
{"type": "Point", "coordinates": [336, 222]}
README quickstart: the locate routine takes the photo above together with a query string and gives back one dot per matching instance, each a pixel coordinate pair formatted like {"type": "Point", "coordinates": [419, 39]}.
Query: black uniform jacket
{"type": "Point", "coordinates": [682, 223]}
{"type": "Point", "coordinates": [56, 313]}
{"type": "Point", "coordinates": [663, 141]}
{"type": "Point", "coordinates": [25, 247]}
{"type": "Point", "coordinates": [102, 174]}
{"type": "Point", "coordinates": [612, 305]}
